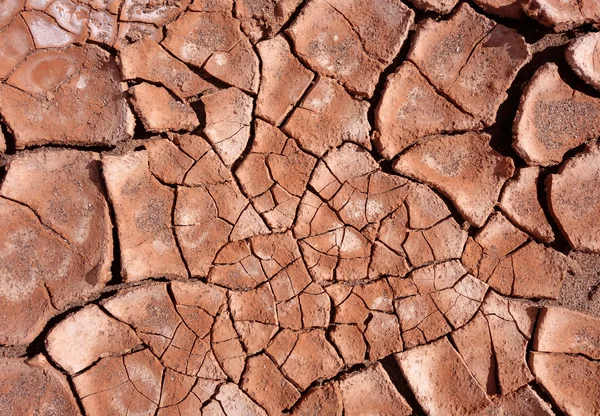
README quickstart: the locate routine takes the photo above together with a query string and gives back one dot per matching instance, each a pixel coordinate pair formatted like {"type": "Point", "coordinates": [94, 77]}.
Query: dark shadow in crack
{"type": "Point", "coordinates": [391, 367]}
{"type": "Point", "coordinates": [8, 138]}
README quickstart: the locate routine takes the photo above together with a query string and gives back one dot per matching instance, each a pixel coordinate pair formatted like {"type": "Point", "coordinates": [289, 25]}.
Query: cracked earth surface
{"type": "Point", "coordinates": [320, 207]}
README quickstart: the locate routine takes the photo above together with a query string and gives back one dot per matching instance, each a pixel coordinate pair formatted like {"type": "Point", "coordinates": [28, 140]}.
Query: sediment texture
{"type": "Point", "coordinates": [332, 207]}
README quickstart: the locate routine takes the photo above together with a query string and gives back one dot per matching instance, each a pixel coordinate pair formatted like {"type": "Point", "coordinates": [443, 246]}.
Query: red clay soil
{"type": "Point", "coordinates": [301, 207]}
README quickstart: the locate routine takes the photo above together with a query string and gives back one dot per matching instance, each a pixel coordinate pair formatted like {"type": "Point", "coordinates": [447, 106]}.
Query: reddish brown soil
{"type": "Point", "coordinates": [302, 207]}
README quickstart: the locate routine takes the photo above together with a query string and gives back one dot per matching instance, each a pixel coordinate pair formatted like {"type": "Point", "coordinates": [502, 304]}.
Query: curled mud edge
{"type": "Point", "coordinates": [267, 207]}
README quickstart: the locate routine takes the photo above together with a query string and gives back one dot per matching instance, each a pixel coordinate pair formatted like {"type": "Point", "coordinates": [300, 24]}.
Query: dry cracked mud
{"type": "Point", "coordinates": [299, 207]}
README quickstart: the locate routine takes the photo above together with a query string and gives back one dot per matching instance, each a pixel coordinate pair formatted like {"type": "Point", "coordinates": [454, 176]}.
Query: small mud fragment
{"type": "Point", "coordinates": [286, 207]}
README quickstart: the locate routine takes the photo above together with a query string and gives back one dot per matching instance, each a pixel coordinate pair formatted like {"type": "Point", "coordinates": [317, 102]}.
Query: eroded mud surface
{"type": "Point", "coordinates": [320, 207]}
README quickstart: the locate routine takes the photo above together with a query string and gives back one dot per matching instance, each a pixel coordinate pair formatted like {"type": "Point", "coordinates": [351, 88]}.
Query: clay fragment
{"type": "Point", "coordinates": [46, 32]}
{"type": "Point", "coordinates": [233, 400]}
{"type": "Point", "coordinates": [168, 162]}
{"type": "Point", "coordinates": [31, 385]}
{"type": "Point", "coordinates": [11, 7]}
{"type": "Point", "coordinates": [146, 11]}
{"type": "Point", "coordinates": [573, 199]}
{"type": "Point", "coordinates": [474, 343]}
{"type": "Point", "coordinates": [350, 42]}
{"type": "Point", "coordinates": [265, 384]}
{"type": "Point", "coordinates": [426, 369]}
{"type": "Point", "coordinates": [161, 112]}
{"type": "Point", "coordinates": [238, 67]}
{"type": "Point", "coordinates": [446, 298]}
{"type": "Point", "coordinates": [570, 381]}
{"type": "Point", "coordinates": [437, 6]}
{"type": "Point", "coordinates": [116, 384]}
{"type": "Point", "coordinates": [523, 402]}
{"type": "Point", "coordinates": [143, 210]}
{"type": "Point", "coordinates": [228, 116]}
{"type": "Point", "coordinates": [349, 341]}
{"type": "Point", "coordinates": [148, 309]}
{"type": "Point", "coordinates": [533, 264]}
{"type": "Point", "coordinates": [383, 335]}
{"type": "Point", "coordinates": [510, 326]}
{"type": "Point", "coordinates": [71, 16]}
{"type": "Point", "coordinates": [103, 27]}
{"type": "Point", "coordinates": [15, 43]}
{"type": "Point", "coordinates": [84, 337]}
{"type": "Point", "coordinates": [583, 55]}
{"type": "Point", "coordinates": [458, 54]}
{"type": "Point", "coordinates": [552, 118]}
{"type": "Point", "coordinates": [501, 256]}
{"type": "Point", "coordinates": [579, 287]}
{"type": "Point", "coordinates": [131, 32]}
{"type": "Point", "coordinates": [463, 167]}
{"type": "Point", "coordinates": [503, 50]}
{"type": "Point", "coordinates": [260, 19]}
{"type": "Point", "coordinates": [67, 217]}
{"type": "Point", "coordinates": [561, 330]}
{"type": "Point", "coordinates": [371, 392]}
{"type": "Point", "coordinates": [562, 16]}
{"type": "Point", "coordinates": [196, 221]}
{"type": "Point", "coordinates": [437, 40]}
{"type": "Point", "coordinates": [69, 108]}
{"type": "Point", "coordinates": [326, 400]}
{"type": "Point", "coordinates": [411, 109]}
{"type": "Point", "coordinates": [195, 36]}
{"type": "Point", "coordinates": [312, 358]}
{"type": "Point", "coordinates": [382, 26]}
{"type": "Point", "coordinates": [64, 188]}
{"type": "Point", "coordinates": [512, 9]}
{"type": "Point", "coordinates": [326, 117]}
{"type": "Point", "coordinates": [520, 203]}
{"type": "Point", "coordinates": [146, 60]}
{"type": "Point", "coordinates": [281, 71]}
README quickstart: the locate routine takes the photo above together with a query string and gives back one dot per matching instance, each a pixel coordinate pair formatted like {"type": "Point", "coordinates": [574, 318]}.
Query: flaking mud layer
{"type": "Point", "coordinates": [303, 207]}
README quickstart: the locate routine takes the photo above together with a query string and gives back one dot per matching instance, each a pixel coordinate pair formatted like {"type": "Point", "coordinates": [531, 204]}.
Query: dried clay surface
{"type": "Point", "coordinates": [299, 207]}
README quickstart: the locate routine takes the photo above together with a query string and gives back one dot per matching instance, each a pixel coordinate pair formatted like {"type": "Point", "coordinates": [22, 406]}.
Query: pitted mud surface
{"type": "Point", "coordinates": [303, 207]}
